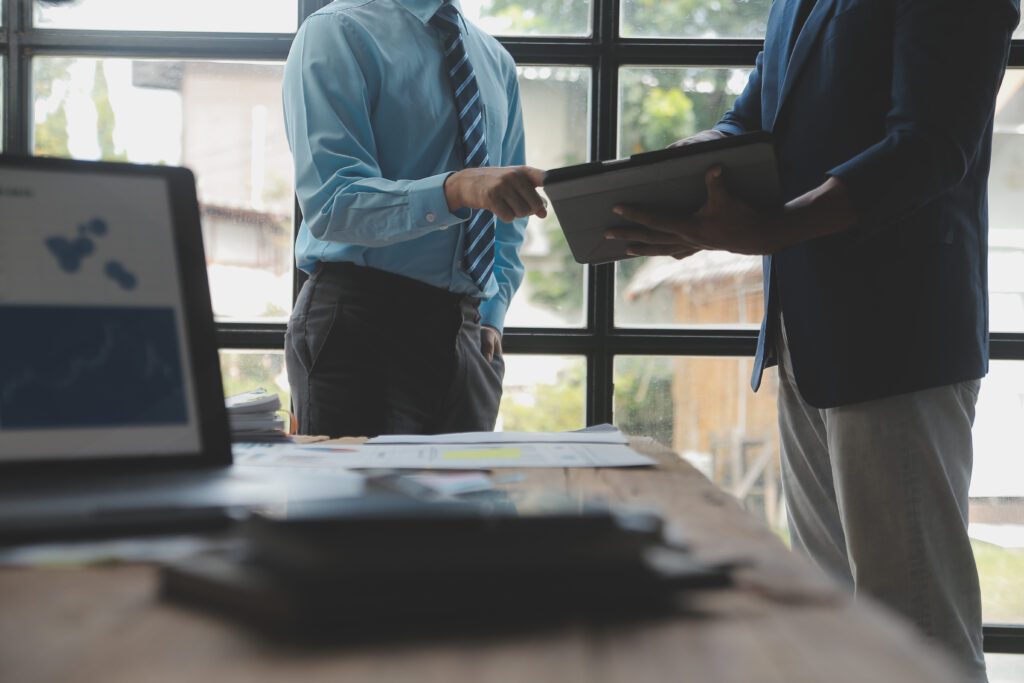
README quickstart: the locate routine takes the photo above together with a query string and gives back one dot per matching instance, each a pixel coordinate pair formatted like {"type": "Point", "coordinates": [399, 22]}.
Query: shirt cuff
{"type": "Point", "coordinates": [492, 312]}
{"type": "Point", "coordinates": [728, 128]}
{"type": "Point", "coordinates": [428, 206]}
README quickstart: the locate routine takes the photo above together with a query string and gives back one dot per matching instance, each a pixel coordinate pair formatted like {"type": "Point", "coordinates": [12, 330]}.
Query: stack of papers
{"type": "Point", "coordinates": [605, 435]}
{"type": "Point", "coordinates": [469, 451]}
{"type": "Point", "coordinates": [255, 417]}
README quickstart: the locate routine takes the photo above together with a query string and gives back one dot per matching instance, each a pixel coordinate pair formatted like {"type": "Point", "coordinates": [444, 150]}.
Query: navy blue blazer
{"type": "Point", "coordinates": [897, 99]}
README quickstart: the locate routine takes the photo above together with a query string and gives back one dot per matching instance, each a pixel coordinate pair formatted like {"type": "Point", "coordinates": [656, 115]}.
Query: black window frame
{"type": "Point", "coordinates": [605, 51]}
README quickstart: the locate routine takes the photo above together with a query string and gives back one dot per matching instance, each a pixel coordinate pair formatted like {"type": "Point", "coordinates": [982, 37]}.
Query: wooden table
{"type": "Point", "coordinates": [784, 621]}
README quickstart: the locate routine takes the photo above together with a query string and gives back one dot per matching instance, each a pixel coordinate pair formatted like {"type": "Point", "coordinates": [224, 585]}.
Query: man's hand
{"type": "Point", "coordinates": [726, 223]}
{"type": "Point", "coordinates": [703, 136]}
{"type": "Point", "coordinates": [509, 193]}
{"type": "Point", "coordinates": [490, 342]}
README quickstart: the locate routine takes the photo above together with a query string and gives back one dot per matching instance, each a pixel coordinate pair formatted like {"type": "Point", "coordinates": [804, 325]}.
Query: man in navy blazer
{"type": "Point", "coordinates": [875, 280]}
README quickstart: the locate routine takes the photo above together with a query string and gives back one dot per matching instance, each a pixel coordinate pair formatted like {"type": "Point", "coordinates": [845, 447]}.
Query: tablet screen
{"type": "Point", "coordinates": [93, 354]}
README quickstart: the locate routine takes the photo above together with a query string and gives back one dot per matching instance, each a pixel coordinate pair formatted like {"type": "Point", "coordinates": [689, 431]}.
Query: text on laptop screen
{"type": "Point", "coordinates": [93, 352]}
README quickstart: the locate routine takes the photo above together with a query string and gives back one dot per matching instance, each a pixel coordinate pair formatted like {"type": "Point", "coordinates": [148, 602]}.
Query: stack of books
{"type": "Point", "coordinates": [256, 416]}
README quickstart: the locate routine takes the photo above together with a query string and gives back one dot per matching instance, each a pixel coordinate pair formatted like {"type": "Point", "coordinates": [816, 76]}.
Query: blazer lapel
{"type": "Point", "coordinates": [789, 15]}
{"type": "Point", "coordinates": [804, 44]}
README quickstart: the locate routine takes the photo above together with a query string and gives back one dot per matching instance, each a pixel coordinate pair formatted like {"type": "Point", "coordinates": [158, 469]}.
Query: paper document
{"type": "Point", "coordinates": [254, 416]}
{"type": "Point", "coordinates": [292, 458]}
{"type": "Point", "coordinates": [478, 457]}
{"type": "Point", "coordinates": [477, 451]}
{"type": "Point", "coordinates": [255, 401]}
{"type": "Point", "coordinates": [453, 484]}
{"type": "Point", "coordinates": [607, 435]}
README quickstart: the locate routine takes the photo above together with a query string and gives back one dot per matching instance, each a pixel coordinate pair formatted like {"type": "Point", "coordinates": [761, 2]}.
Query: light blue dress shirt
{"type": "Point", "coordinates": [372, 126]}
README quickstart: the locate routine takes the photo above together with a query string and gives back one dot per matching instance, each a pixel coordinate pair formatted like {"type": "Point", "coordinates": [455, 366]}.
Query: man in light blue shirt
{"type": "Point", "coordinates": [405, 125]}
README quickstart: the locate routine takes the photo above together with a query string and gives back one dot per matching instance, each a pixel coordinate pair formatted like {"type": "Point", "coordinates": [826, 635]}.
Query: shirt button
{"type": "Point", "coordinates": [431, 217]}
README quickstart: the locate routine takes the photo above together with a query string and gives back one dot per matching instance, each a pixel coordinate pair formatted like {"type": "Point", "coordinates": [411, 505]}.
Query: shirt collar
{"type": "Point", "coordinates": [424, 10]}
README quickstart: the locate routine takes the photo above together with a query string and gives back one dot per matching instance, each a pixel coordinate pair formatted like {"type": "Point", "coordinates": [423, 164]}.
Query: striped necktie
{"type": "Point", "coordinates": [478, 252]}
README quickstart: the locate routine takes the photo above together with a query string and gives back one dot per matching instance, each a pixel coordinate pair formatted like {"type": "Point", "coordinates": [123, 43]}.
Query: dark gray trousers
{"type": "Point", "coordinates": [372, 353]}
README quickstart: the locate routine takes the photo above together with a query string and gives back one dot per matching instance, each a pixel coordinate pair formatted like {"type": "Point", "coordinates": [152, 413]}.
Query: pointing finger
{"type": "Point", "coordinates": [672, 223]}
{"type": "Point", "coordinates": [660, 250]}
{"type": "Point", "coordinates": [650, 218]}
{"type": "Point", "coordinates": [534, 175]}
{"type": "Point", "coordinates": [530, 195]}
{"type": "Point", "coordinates": [716, 185]}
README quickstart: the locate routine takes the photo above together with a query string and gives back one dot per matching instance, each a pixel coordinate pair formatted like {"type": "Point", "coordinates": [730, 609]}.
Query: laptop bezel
{"type": "Point", "coordinates": [215, 442]}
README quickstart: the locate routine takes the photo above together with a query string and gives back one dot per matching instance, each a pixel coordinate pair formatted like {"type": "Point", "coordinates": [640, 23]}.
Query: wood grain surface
{"type": "Point", "coordinates": [784, 622]}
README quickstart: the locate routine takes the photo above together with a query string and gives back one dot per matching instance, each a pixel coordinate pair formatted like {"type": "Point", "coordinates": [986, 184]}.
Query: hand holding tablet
{"type": "Point", "coordinates": [671, 182]}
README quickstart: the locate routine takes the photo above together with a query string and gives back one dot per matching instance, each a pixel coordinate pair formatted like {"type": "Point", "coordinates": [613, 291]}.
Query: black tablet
{"type": "Point", "coordinates": [583, 196]}
{"type": "Point", "coordinates": [108, 354]}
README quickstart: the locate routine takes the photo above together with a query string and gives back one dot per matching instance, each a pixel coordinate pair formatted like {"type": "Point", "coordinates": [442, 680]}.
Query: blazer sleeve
{"type": "Point", "coordinates": [949, 58]}
{"type": "Point", "coordinates": [745, 115]}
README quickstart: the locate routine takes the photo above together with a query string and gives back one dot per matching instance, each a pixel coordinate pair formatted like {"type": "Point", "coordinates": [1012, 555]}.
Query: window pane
{"type": "Point", "coordinates": [530, 17]}
{"type": "Point", "coordinates": [997, 493]}
{"type": "Point", "coordinates": [221, 119]}
{"type": "Point", "coordinates": [259, 16]}
{"type": "Point", "coordinates": [695, 18]}
{"type": "Point", "coordinates": [556, 110]}
{"type": "Point", "coordinates": [704, 409]}
{"type": "Point", "coordinates": [243, 371]}
{"type": "Point", "coordinates": [543, 393]}
{"type": "Point", "coordinates": [1005, 668]}
{"type": "Point", "coordinates": [1006, 206]}
{"type": "Point", "coordinates": [657, 107]}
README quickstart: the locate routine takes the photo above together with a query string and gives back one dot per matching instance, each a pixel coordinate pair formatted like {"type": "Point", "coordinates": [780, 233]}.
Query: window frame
{"type": "Point", "coordinates": [604, 52]}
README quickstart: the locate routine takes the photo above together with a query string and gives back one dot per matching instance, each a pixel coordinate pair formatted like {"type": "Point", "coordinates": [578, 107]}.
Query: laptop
{"type": "Point", "coordinates": [112, 414]}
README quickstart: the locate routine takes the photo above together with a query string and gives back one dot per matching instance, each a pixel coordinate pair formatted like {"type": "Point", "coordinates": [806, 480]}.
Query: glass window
{"type": "Point", "coordinates": [1006, 206]}
{"type": "Point", "coordinates": [243, 371]}
{"type": "Point", "coordinates": [221, 119]}
{"type": "Point", "coordinates": [543, 394]}
{"type": "Point", "coordinates": [530, 17]}
{"type": "Point", "coordinates": [1005, 668]}
{"type": "Point", "coordinates": [704, 409]}
{"type": "Point", "coordinates": [657, 106]}
{"type": "Point", "coordinates": [556, 112]}
{"type": "Point", "coordinates": [997, 493]}
{"type": "Point", "coordinates": [695, 18]}
{"type": "Point", "coordinates": [257, 16]}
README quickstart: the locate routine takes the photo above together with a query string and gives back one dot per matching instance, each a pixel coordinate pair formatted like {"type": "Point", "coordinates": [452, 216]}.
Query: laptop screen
{"type": "Point", "coordinates": [94, 353]}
